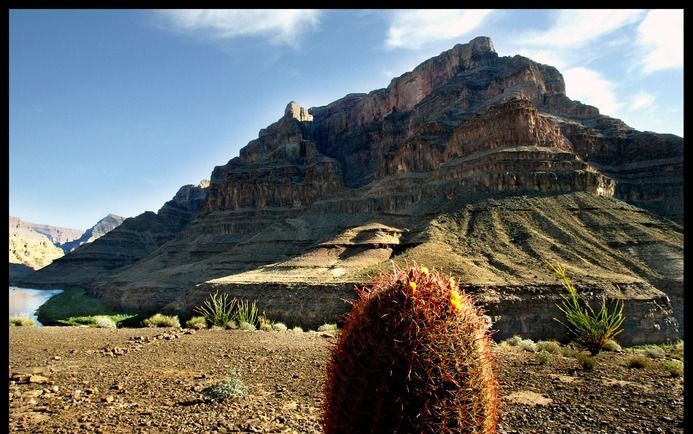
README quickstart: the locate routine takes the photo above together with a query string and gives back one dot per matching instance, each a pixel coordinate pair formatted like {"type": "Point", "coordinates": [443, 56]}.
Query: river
{"type": "Point", "coordinates": [25, 301]}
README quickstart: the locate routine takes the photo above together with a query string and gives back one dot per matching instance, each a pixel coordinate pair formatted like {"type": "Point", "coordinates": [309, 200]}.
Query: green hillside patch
{"type": "Point", "coordinates": [76, 308]}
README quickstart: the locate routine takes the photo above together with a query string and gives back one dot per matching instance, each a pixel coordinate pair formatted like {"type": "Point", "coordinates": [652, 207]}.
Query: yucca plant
{"type": "Point", "coordinates": [589, 329]}
{"type": "Point", "coordinates": [217, 310]}
{"type": "Point", "coordinates": [246, 312]}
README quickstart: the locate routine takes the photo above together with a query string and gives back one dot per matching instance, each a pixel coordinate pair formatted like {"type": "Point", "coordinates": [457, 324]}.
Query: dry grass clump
{"type": "Point", "coordinates": [104, 322]}
{"type": "Point", "coordinates": [612, 345]}
{"type": "Point", "coordinates": [328, 328]}
{"type": "Point", "coordinates": [246, 326]}
{"type": "Point", "coordinates": [160, 320]}
{"type": "Point", "coordinates": [654, 352]}
{"type": "Point", "coordinates": [279, 327]}
{"type": "Point", "coordinates": [674, 367]}
{"type": "Point", "coordinates": [297, 329]}
{"type": "Point", "coordinates": [528, 345]}
{"type": "Point", "coordinates": [231, 388]}
{"type": "Point", "coordinates": [551, 347]}
{"type": "Point", "coordinates": [545, 358]}
{"type": "Point", "coordinates": [587, 362]}
{"type": "Point", "coordinates": [22, 321]}
{"type": "Point", "coordinates": [638, 361]}
{"type": "Point", "coordinates": [196, 323]}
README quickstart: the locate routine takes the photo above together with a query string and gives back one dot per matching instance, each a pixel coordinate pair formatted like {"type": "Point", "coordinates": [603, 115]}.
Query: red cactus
{"type": "Point", "coordinates": [414, 356]}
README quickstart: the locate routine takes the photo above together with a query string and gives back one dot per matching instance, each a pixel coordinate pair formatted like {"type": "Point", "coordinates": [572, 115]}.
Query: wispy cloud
{"type": "Point", "coordinates": [588, 86]}
{"type": "Point", "coordinates": [414, 28]}
{"type": "Point", "coordinates": [576, 27]}
{"type": "Point", "coordinates": [660, 34]}
{"type": "Point", "coordinates": [278, 26]}
{"type": "Point", "coordinates": [641, 100]}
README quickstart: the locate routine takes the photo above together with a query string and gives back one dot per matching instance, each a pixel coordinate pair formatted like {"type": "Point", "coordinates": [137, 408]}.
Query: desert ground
{"type": "Point", "coordinates": [83, 380]}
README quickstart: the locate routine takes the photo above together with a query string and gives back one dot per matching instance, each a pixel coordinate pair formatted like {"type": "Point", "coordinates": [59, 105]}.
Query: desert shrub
{"type": "Point", "coordinates": [414, 355]}
{"type": "Point", "coordinates": [246, 312]}
{"type": "Point", "coordinates": [528, 345]}
{"type": "Point", "coordinates": [514, 341]}
{"type": "Point", "coordinates": [231, 388]}
{"type": "Point", "coordinates": [589, 329]}
{"type": "Point", "coordinates": [160, 320]}
{"type": "Point", "coordinates": [197, 323]}
{"type": "Point", "coordinates": [638, 361]}
{"type": "Point", "coordinates": [328, 328]}
{"type": "Point", "coordinates": [568, 351]}
{"type": "Point", "coordinates": [243, 325]}
{"type": "Point", "coordinates": [551, 347]}
{"type": "Point", "coordinates": [654, 352]}
{"type": "Point", "coordinates": [104, 322]}
{"type": "Point", "coordinates": [677, 351]}
{"type": "Point", "coordinates": [266, 327]}
{"type": "Point", "coordinates": [545, 358]}
{"type": "Point", "coordinates": [587, 362]}
{"type": "Point", "coordinates": [22, 321]}
{"type": "Point", "coordinates": [612, 345]}
{"type": "Point", "coordinates": [297, 329]}
{"type": "Point", "coordinates": [674, 367]}
{"type": "Point", "coordinates": [217, 309]}
{"type": "Point", "coordinates": [232, 325]}
{"type": "Point", "coordinates": [278, 326]}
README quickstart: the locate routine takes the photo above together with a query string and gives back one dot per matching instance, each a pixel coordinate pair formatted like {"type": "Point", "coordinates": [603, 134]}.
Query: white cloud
{"type": "Point", "coordinates": [414, 28]}
{"type": "Point", "coordinates": [280, 26]}
{"type": "Point", "coordinates": [589, 87]}
{"type": "Point", "coordinates": [641, 100]}
{"type": "Point", "coordinates": [576, 27]}
{"type": "Point", "coordinates": [661, 35]}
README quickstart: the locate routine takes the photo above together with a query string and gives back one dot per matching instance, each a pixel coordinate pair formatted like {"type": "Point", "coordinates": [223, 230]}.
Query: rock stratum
{"type": "Point", "coordinates": [476, 164]}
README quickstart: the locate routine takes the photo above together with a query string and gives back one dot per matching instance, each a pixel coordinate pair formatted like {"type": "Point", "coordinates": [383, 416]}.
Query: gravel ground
{"type": "Point", "coordinates": [82, 380]}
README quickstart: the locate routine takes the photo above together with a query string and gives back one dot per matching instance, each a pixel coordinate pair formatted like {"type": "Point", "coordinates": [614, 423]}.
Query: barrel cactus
{"type": "Point", "coordinates": [414, 356]}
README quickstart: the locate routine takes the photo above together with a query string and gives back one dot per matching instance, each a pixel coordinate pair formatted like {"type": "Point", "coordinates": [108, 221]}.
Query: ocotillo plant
{"type": "Point", "coordinates": [414, 356]}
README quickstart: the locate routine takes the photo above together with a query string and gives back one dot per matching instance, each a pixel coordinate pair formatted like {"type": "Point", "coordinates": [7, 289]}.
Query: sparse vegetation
{"type": "Point", "coordinates": [654, 352]}
{"type": "Point", "coordinates": [160, 320]}
{"type": "Point", "coordinates": [587, 362]}
{"type": "Point", "coordinates": [674, 367]}
{"type": "Point", "coordinates": [99, 321]}
{"type": "Point", "coordinates": [297, 329]}
{"type": "Point", "coordinates": [244, 325]}
{"type": "Point", "coordinates": [528, 345]}
{"type": "Point", "coordinates": [246, 312]}
{"type": "Point", "coordinates": [515, 340]}
{"type": "Point", "coordinates": [638, 361]}
{"type": "Point", "coordinates": [612, 345]}
{"type": "Point", "coordinates": [231, 388]}
{"type": "Point", "coordinates": [217, 310]}
{"type": "Point", "coordinates": [75, 307]}
{"type": "Point", "coordinates": [545, 358]}
{"type": "Point", "coordinates": [196, 323]}
{"type": "Point", "coordinates": [590, 329]}
{"type": "Point", "coordinates": [104, 322]}
{"type": "Point", "coordinates": [551, 347]}
{"type": "Point", "coordinates": [22, 321]}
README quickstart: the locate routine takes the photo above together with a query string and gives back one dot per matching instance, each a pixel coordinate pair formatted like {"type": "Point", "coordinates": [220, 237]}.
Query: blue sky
{"type": "Point", "coordinates": [111, 111]}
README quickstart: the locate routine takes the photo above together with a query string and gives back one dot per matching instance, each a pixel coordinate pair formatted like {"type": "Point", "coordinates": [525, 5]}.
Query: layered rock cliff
{"type": "Point", "coordinates": [388, 169]}
{"type": "Point", "coordinates": [101, 228]}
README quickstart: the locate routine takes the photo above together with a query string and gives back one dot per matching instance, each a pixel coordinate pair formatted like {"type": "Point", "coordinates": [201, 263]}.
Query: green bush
{"type": "Point", "coordinates": [589, 329]}
{"type": "Point", "coordinates": [266, 327]}
{"type": "Point", "coordinates": [232, 389]}
{"type": "Point", "coordinates": [654, 352]}
{"type": "Point", "coordinates": [22, 321]}
{"type": "Point", "coordinates": [587, 362]}
{"type": "Point", "coordinates": [328, 328]}
{"type": "Point", "coordinates": [638, 361]}
{"type": "Point", "coordinates": [515, 340]}
{"type": "Point", "coordinates": [674, 367]}
{"type": "Point", "coordinates": [545, 358]}
{"type": "Point", "coordinates": [612, 345]}
{"type": "Point", "coordinates": [104, 322]}
{"type": "Point", "coordinates": [232, 325]}
{"type": "Point", "coordinates": [528, 345]}
{"type": "Point", "coordinates": [278, 326]}
{"type": "Point", "coordinates": [568, 351]}
{"type": "Point", "coordinates": [197, 323]}
{"type": "Point", "coordinates": [414, 356]}
{"type": "Point", "coordinates": [160, 320]}
{"type": "Point", "coordinates": [243, 325]}
{"type": "Point", "coordinates": [549, 346]}
{"type": "Point", "coordinates": [246, 312]}
{"type": "Point", "coordinates": [217, 310]}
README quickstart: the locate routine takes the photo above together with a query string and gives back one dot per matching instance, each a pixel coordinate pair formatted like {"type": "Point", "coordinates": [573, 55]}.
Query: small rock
{"type": "Point", "coordinates": [107, 399]}
{"type": "Point", "coordinates": [56, 357]}
{"type": "Point", "coordinates": [38, 379]}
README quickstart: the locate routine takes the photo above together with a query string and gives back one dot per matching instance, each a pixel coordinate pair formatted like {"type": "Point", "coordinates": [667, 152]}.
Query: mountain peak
{"type": "Point", "coordinates": [482, 45]}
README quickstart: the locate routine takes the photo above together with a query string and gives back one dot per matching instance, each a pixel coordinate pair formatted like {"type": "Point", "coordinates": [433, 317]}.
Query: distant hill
{"type": "Point", "coordinates": [33, 246]}
{"type": "Point", "coordinates": [102, 227]}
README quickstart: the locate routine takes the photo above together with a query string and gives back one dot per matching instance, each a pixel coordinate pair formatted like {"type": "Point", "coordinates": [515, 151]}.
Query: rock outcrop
{"type": "Point", "coordinates": [476, 164]}
{"type": "Point", "coordinates": [34, 245]}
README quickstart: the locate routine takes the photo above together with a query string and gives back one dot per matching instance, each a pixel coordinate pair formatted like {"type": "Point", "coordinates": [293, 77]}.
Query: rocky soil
{"type": "Point", "coordinates": [69, 379]}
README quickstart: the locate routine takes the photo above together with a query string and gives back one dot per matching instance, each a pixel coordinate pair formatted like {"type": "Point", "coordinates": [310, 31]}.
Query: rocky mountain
{"type": "Point", "coordinates": [101, 228]}
{"type": "Point", "coordinates": [472, 163]}
{"type": "Point", "coordinates": [35, 245]}
{"type": "Point", "coordinates": [132, 240]}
